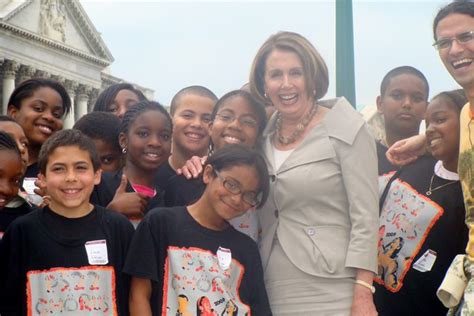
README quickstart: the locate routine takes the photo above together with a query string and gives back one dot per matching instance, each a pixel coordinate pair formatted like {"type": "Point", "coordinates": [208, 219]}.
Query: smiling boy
{"type": "Point", "coordinates": [190, 110]}
{"type": "Point", "coordinates": [68, 256]}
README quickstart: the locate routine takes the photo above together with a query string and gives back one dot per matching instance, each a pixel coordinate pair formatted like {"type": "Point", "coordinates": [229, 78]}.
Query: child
{"type": "Point", "coordinates": [402, 102]}
{"type": "Point", "coordinates": [191, 110]}
{"type": "Point", "coordinates": [118, 99]}
{"type": "Point", "coordinates": [39, 106]}
{"type": "Point", "coordinates": [145, 138]}
{"type": "Point", "coordinates": [68, 256]}
{"type": "Point", "coordinates": [237, 118]}
{"type": "Point", "coordinates": [11, 172]}
{"type": "Point", "coordinates": [9, 125]}
{"type": "Point", "coordinates": [195, 259]}
{"type": "Point", "coordinates": [104, 129]}
{"type": "Point", "coordinates": [422, 219]}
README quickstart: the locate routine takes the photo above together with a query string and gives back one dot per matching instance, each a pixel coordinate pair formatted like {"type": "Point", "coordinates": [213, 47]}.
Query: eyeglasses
{"type": "Point", "coordinates": [461, 38]}
{"type": "Point", "coordinates": [243, 120]}
{"type": "Point", "coordinates": [250, 197]}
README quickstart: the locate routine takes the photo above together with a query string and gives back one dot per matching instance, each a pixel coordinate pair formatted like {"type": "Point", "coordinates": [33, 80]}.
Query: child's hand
{"type": "Point", "coordinates": [193, 167]}
{"type": "Point", "coordinates": [46, 201]}
{"type": "Point", "coordinates": [407, 150]}
{"type": "Point", "coordinates": [40, 188]}
{"type": "Point", "coordinates": [128, 203]}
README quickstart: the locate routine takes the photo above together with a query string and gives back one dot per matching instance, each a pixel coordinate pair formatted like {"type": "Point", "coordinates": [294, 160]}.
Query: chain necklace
{"type": "Point", "coordinates": [431, 189]}
{"type": "Point", "coordinates": [300, 127]}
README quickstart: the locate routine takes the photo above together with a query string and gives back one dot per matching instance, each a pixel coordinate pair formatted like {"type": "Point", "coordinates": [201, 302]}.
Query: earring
{"type": "Point", "coordinates": [124, 150]}
{"type": "Point", "coordinates": [314, 92]}
{"type": "Point", "coordinates": [265, 95]}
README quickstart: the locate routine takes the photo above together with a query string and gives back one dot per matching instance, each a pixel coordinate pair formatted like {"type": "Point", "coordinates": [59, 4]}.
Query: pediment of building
{"type": "Point", "coordinates": [59, 24]}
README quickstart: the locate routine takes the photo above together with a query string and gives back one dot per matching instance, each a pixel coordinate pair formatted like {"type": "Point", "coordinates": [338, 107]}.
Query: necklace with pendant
{"type": "Point", "coordinates": [431, 189]}
{"type": "Point", "coordinates": [300, 127]}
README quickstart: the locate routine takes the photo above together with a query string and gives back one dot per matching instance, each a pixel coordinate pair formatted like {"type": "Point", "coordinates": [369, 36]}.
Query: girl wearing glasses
{"type": "Point", "coordinates": [237, 118]}
{"type": "Point", "coordinates": [194, 252]}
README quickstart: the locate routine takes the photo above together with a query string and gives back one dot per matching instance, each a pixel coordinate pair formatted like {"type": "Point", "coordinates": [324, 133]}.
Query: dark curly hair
{"type": "Point", "coordinates": [101, 125]}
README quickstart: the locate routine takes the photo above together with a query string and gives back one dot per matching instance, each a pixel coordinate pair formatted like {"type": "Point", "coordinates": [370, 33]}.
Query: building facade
{"type": "Point", "coordinates": [54, 39]}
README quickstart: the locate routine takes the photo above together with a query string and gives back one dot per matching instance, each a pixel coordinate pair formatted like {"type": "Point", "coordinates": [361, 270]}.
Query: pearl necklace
{"type": "Point", "coordinates": [300, 127]}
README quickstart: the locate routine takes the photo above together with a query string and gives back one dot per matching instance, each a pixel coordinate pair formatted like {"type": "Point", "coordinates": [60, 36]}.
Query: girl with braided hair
{"type": "Point", "coordinates": [145, 139]}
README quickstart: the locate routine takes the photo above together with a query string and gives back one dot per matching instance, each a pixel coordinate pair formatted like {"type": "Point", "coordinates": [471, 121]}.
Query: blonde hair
{"type": "Point", "coordinates": [314, 67]}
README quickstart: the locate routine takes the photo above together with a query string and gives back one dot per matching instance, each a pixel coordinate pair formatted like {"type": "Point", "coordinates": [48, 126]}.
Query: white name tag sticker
{"type": "Point", "coordinates": [224, 257]}
{"type": "Point", "coordinates": [29, 185]}
{"type": "Point", "coordinates": [97, 252]}
{"type": "Point", "coordinates": [426, 261]}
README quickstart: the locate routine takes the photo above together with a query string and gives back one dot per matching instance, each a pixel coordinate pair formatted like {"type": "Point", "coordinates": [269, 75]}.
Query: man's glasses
{"type": "Point", "coordinates": [461, 38]}
{"type": "Point", "coordinates": [250, 197]}
{"type": "Point", "coordinates": [243, 120]}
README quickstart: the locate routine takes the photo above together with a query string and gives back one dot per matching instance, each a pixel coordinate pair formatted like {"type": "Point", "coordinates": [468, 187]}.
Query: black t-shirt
{"type": "Point", "coordinates": [384, 165]}
{"type": "Point", "coordinates": [164, 174]}
{"type": "Point", "coordinates": [182, 191]}
{"type": "Point", "coordinates": [32, 171]}
{"type": "Point", "coordinates": [9, 214]}
{"type": "Point", "coordinates": [420, 235]}
{"type": "Point", "coordinates": [104, 192]}
{"type": "Point", "coordinates": [193, 267]}
{"type": "Point", "coordinates": [51, 263]}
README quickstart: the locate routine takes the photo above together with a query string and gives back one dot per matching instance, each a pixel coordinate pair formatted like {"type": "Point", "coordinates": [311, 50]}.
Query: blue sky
{"type": "Point", "coordinates": [167, 45]}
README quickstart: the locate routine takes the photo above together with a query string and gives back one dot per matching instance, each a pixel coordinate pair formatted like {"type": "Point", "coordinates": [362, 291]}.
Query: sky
{"type": "Point", "coordinates": [168, 45]}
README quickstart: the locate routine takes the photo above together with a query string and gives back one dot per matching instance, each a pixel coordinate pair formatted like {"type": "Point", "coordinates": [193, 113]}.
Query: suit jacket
{"type": "Point", "coordinates": [323, 203]}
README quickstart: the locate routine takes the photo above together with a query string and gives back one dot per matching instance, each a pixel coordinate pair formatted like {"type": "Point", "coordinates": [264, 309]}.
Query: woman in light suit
{"type": "Point", "coordinates": [319, 225]}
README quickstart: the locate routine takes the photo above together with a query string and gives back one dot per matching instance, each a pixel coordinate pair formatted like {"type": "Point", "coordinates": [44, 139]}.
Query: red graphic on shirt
{"type": "Point", "coordinates": [406, 220]}
{"type": "Point", "coordinates": [196, 284]}
{"type": "Point", "coordinates": [86, 290]}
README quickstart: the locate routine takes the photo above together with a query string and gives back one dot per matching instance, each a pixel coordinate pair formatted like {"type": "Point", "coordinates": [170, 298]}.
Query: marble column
{"type": "Point", "coordinates": [41, 74]}
{"type": "Point", "coordinates": [71, 87]}
{"type": "Point", "coordinates": [92, 98]}
{"type": "Point", "coordinates": [24, 73]}
{"type": "Point", "coordinates": [82, 98]}
{"type": "Point", "coordinates": [9, 68]}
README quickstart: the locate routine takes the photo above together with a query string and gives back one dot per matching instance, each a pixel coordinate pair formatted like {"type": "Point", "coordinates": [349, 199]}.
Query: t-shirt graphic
{"type": "Point", "coordinates": [406, 220]}
{"type": "Point", "coordinates": [383, 181]}
{"type": "Point", "coordinates": [87, 290]}
{"type": "Point", "coordinates": [197, 282]}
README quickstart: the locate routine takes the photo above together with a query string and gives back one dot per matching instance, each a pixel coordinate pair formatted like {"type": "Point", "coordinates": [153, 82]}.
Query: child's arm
{"type": "Point", "coordinates": [140, 293]}
{"type": "Point", "coordinates": [407, 150]}
{"type": "Point", "coordinates": [259, 302]}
